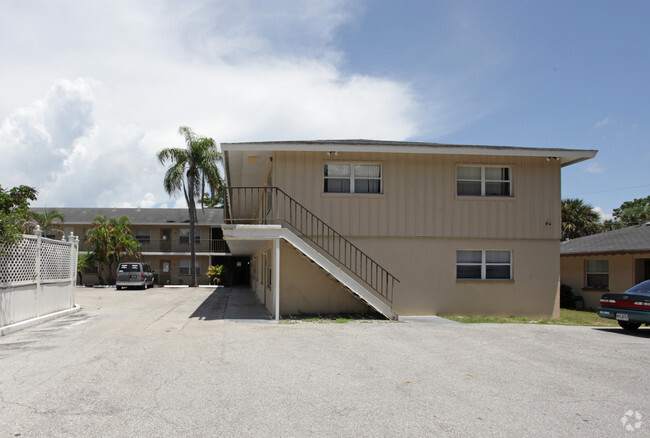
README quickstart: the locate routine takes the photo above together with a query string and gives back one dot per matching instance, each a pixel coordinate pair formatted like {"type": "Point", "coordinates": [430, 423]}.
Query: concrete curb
{"type": "Point", "coordinates": [38, 320]}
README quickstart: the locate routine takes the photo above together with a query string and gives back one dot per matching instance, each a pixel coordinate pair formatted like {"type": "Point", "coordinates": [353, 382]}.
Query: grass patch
{"type": "Point", "coordinates": [567, 317]}
{"type": "Point", "coordinates": [338, 318]}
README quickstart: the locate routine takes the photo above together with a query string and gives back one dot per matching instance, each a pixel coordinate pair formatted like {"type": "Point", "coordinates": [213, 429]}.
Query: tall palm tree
{"type": "Point", "coordinates": [579, 219]}
{"type": "Point", "coordinates": [190, 171]}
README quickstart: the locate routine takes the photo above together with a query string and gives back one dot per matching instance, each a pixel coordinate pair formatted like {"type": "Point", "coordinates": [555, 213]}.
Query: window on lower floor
{"type": "Point", "coordinates": [483, 181]}
{"type": "Point", "coordinates": [597, 274]}
{"type": "Point", "coordinates": [352, 178]}
{"type": "Point", "coordinates": [483, 265]}
{"type": "Point", "coordinates": [184, 267]}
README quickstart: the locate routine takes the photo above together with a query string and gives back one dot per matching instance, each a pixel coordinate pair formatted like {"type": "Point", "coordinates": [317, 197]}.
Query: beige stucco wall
{"type": "Point", "coordinates": [426, 269]}
{"type": "Point", "coordinates": [623, 274]}
{"type": "Point", "coordinates": [419, 196]}
{"type": "Point", "coordinates": [304, 288]}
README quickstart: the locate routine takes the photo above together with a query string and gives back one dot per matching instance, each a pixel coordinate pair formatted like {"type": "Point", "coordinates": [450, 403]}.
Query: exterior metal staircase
{"type": "Point", "coordinates": [263, 206]}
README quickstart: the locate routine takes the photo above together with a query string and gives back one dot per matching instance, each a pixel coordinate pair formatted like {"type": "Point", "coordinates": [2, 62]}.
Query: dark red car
{"type": "Point", "coordinates": [630, 308]}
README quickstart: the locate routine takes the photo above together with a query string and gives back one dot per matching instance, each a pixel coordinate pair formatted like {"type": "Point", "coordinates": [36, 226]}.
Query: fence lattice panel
{"type": "Point", "coordinates": [19, 263]}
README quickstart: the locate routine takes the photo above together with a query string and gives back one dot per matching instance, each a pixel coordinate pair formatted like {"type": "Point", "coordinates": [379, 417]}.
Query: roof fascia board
{"type": "Point", "coordinates": [567, 156]}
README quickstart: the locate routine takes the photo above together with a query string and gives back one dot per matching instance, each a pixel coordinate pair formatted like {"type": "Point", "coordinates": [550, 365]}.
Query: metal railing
{"type": "Point", "coordinates": [271, 205]}
{"type": "Point", "coordinates": [160, 245]}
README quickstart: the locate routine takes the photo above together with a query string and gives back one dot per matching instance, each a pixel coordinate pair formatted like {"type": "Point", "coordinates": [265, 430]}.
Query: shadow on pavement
{"type": "Point", "coordinates": [640, 333]}
{"type": "Point", "coordinates": [235, 303]}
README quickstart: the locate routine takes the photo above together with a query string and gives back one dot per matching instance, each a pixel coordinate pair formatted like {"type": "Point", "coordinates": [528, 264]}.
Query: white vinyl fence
{"type": "Point", "coordinates": [37, 278]}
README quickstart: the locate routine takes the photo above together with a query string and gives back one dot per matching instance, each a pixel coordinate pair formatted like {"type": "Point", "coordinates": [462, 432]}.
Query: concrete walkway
{"type": "Point", "coordinates": [237, 303]}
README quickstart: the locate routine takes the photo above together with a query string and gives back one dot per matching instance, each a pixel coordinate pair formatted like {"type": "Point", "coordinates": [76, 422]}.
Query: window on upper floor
{"type": "Point", "coordinates": [597, 273]}
{"type": "Point", "coordinates": [352, 178]}
{"type": "Point", "coordinates": [483, 265]}
{"type": "Point", "coordinates": [184, 235]}
{"type": "Point", "coordinates": [142, 235]}
{"type": "Point", "coordinates": [483, 181]}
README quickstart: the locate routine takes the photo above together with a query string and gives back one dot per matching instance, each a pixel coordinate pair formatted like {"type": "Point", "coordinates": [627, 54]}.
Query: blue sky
{"type": "Point", "coordinates": [88, 87]}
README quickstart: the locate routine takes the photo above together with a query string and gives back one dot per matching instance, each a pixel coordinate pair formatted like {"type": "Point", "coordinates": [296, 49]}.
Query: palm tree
{"type": "Point", "coordinates": [579, 219]}
{"type": "Point", "coordinates": [110, 241]}
{"type": "Point", "coordinates": [46, 220]}
{"type": "Point", "coordinates": [190, 171]}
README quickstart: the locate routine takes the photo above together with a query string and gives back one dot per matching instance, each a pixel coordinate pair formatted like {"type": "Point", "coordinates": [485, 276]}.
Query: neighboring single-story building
{"type": "Point", "coordinates": [408, 228]}
{"type": "Point", "coordinates": [607, 262]}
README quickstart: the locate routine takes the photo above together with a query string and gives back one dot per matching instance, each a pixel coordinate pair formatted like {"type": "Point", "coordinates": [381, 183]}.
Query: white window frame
{"type": "Point", "coordinates": [185, 265]}
{"type": "Point", "coordinates": [588, 272]}
{"type": "Point", "coordinates": [484, 264]}
{"type": "Point", "coordinates": [353, 178]}
{"type": "Point", "coordinates": [483, 180]}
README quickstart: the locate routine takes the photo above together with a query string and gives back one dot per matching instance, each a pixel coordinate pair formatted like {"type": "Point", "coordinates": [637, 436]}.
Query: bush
{"type": "Point", "coordinates": [567, 299]}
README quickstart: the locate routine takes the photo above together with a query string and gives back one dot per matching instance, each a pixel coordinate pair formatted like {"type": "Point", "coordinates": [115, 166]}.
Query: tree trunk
{"type": "Point", "coordinates": [192, 208]}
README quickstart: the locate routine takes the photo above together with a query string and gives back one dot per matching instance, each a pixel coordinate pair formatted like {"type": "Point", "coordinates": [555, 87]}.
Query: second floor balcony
{"type": "Point", "coordinates": [217, 246]}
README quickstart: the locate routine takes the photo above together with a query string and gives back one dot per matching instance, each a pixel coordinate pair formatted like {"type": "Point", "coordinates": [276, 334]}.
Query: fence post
{"type": "Point", "coordinates": [74, 249]}
{"type": "Point", "coordinates": [39, 244]}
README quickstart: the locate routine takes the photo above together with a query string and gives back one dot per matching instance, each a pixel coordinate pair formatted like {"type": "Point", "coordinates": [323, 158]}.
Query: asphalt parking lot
{"type": "Point", "coordinates": [147, 363]}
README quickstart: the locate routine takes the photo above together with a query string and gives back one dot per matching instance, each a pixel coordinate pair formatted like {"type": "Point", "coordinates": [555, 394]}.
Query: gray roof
{"type": "Point", "coordinates": [140, 216]}
{"type": "Point", "coordinates": [625, 240]}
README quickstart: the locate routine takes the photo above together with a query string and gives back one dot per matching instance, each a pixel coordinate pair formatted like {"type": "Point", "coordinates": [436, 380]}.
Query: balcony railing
{"type": "Point", "coordinates": [271, 205]}
{"type": "Point", "coordinates": [160, 245]}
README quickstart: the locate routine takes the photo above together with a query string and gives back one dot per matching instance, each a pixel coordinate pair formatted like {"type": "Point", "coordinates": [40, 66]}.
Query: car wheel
{"type": "Point", "coordinates": [631, 326]}
{"type": "Point", "coordinates": [118, 287]}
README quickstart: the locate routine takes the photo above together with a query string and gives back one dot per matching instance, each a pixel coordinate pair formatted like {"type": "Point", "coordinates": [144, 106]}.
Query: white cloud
{"type": "Point", "coordinates": [593, 167]}
{"type": "Point", "coordinates": [92, 93]}
{"type": "Point", "coordinates": [603, 216]}
{"type": "Point", "coordinates": [149, 201]}
{"type": "Point", "coordinates": [601, 123]}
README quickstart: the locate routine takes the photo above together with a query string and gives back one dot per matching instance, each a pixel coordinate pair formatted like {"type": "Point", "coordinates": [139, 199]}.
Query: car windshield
{"type": "Point", "coordinates": [641, 287]}
{"type": "Point", "coordinates": [129, 267]}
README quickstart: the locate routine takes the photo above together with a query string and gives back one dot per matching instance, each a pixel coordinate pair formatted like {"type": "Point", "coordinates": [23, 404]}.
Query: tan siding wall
{"type": "Point", "coordinates": [419, 197]}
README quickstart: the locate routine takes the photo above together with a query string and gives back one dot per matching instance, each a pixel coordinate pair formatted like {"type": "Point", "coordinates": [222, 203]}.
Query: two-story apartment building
{"type": "Point", "coordinates": [407, 228]}
{"type": "Point", "coordinates": [163, 234]}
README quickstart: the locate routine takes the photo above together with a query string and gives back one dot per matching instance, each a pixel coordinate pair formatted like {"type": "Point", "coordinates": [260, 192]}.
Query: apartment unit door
{"type": "Point", "coordinates": [166, 239]}
{"type": "Point", "coordinates": [165, 272]}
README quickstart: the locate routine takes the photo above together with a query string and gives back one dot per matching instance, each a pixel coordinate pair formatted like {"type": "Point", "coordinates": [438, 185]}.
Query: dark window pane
{"type": "Point", "coordinates": [497, 272]}
{"type": "Point", "coordinates": [598, 280]}
{"type": "Point", "coordinates": [469, 188]}
{"type": "Point", "coordinates": [366, 186]}
{"type": "Point", "coordinates": [337, 185]}
{"type": "Point", "coordinates": [497, 189]}
{"type": "Point", "coordinates": [468, 271]}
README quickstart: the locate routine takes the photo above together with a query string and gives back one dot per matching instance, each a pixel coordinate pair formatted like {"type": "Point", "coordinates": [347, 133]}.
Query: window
{"type": "Point", "coordinates": [184, 267]}
{"type": "Point", "coordinates": [352, 178]}
{"type": "Point", "coordinates": [597, 274]}
{"type": "Point", "coordinates": [483, 265]}
{"type": "Point", "coordinates": [184, 235]}
{"type": "Point", "coordinates": [143, 235]}
{"type": "Point", "coordinates": [483, 181]}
